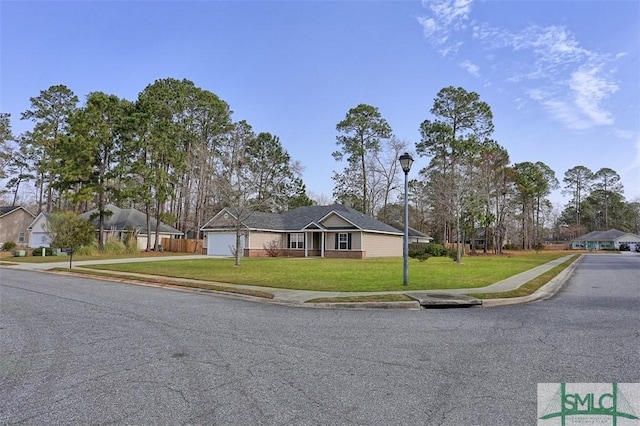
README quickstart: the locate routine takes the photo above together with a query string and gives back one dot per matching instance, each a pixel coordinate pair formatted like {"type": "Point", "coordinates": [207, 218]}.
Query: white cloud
{"type": "Point", "coordinates": [429, 25]}
{"type": "Point", "coordinates": [446, 17]}
{"type": "Point", "coordinates": [560, 110]}
{"type": "Point", "coordinates": [624, 134]}
{"type": "Point", "coordinates": [589, 90]}
{"type": "Point", "coordinates": [569, 81]}
{"type": "Point", "coordinates": [471, 68]}
{"type": "Point", "coordinates": [577, 104]}
{"type": "Point", "coordinates": [450, 49]}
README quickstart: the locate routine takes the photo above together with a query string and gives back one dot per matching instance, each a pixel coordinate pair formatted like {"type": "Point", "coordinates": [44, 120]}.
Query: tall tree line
{"type": "Point", "coordinates": [166, 153]}
{"type": "Point", "coordinates": [176, 153]}
{"type": "Point", "coordinates": [597, 203]}
{"type": "Point", "coordinates": [470, 190]}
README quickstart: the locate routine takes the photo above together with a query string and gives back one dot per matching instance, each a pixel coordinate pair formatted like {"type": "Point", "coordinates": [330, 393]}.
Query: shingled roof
{"type": "Point", "coordinates": [412, 231]}
{"type": "Point", "coordinates": [10, 209]}
{"type": "Point", "coordinates": [125, 219]}
{"type": "Point", "coordinates": [609, 235]}
{"type": "Point", "coordinates": [298, 219]}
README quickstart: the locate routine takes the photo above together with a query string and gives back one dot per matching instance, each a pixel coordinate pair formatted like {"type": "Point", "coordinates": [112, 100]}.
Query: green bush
{"type": "Point", "coordinates": [88, 250]}
{"type": "Point", "coordinates": [414, 253]}
{"type": "Point", "coordinates": [9, 245]}
{"type": "Point", "coordinates": [453, 254]}
{"type": "Point", "coordinates": [131, 246]}
{"type": "Point", "coordinates": [431, 249]}
{"type": "Point", "coordinates": [435, 249]}
{"type": "Point", "coordinates": [113, 246]}
{"type": "Point", "coordinates": [38, 251]}
{"type": "Point", "coordinates": [67, 229]}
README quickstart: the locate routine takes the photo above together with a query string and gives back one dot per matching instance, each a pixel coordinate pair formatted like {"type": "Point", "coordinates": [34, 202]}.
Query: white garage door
{"type": "Point", "coordinates": [221, 244]}
{"type": "Point", "coordinates": [38, 239]}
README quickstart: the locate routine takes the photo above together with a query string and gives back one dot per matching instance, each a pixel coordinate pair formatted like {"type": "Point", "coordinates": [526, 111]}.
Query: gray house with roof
{"type": "Point", "coordinates": [605, 240]}
{"type": "Point", "coordinates": [314, 231]}
{"type": "Point", "coordinates": [116, 225]}
{"type": "Point", "coordinates": [122, 221]}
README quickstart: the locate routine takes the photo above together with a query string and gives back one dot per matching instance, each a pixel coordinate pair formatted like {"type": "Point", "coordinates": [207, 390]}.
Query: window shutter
{"type": "Point", "coordinates": [288, 240]}
{"type": "Point", "coordinates": [349, 241]}
{"type": "Point", "coordinates": [337, 237]}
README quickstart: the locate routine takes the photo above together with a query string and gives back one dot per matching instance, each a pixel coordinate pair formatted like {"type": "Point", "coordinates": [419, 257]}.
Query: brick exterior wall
{"type": "Point", "coordinates": [345, 254]}
{"type": "Point", "coordinates": [283, 253]}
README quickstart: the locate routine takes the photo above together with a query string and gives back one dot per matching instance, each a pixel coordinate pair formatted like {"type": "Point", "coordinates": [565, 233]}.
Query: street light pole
{"type": "Point", "coordinates": [406, 160]}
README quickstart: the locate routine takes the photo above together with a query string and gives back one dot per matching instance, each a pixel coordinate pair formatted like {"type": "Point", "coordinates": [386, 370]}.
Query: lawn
{"type": "Point", "coordinates": [381, 274]}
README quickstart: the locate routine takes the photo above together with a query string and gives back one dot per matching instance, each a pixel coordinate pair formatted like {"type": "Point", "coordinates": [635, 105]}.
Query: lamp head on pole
{"type": "Point", "coordinates": [406, 160]}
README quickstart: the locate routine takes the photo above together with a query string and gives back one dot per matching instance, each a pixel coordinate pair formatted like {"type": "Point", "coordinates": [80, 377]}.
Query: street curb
{"type": "Point", "coordinates": [411, 305]}
{"type": "Point", "coordinates": [543, 293]}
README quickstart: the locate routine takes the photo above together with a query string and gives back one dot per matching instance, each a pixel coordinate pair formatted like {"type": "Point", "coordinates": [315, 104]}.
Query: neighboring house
{"type": "Point", "coordinates": [14, 221]}
{"type": "Point", "coordinates": [605, 240]}
{"type": "Point", "coordinates": [38, 231]}
{"type": "Point", "coordinates": [322, 231]}
{"type": "Point", "coordinates": [415, 236]}
{"type": "Point", "coordinates": [123, 221]}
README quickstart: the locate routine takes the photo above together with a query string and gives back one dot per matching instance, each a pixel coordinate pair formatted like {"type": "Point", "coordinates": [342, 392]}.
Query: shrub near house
{"type": "Point", "coordinates": [9, 245]}
{"type": "Point", "coordinates": [68, 229]}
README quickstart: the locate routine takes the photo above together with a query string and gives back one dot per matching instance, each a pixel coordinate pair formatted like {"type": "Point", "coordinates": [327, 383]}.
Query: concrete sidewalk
{"type": "Point", "coordinates": [300, 296]}
{"type": "Point", "coordinates": [63, 262]}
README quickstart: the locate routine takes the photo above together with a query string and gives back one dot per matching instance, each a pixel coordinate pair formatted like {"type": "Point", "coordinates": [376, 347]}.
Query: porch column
{"type": "Point", "coordinates": [306, 244]}
{"type": "Point", "coordinates": [323, 235]}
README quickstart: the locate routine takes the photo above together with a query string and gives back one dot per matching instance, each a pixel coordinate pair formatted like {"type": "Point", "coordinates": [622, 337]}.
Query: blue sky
{"type": "Point", "coordinates": [562, 77]}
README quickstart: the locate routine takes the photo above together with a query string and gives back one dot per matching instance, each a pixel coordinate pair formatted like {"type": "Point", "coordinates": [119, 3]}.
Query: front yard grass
{"type": "Point", "coordinates": [380, 274]}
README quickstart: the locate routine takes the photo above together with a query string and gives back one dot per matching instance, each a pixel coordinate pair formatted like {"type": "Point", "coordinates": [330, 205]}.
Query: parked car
{"type": "Point", "coordinates": [624, 247]}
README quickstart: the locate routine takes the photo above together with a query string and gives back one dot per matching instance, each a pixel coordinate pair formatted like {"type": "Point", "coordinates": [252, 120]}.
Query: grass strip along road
{"type": "Point", "coordinates": [530, 286]}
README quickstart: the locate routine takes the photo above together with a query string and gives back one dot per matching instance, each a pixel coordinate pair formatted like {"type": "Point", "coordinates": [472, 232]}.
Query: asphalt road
{"type": "Point", "coordinates": [81, 351]}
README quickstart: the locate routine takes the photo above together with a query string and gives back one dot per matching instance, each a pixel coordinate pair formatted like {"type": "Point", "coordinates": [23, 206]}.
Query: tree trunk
{"type": "Point", "coordinates": [147, 209]}
{"type": "Point", "coordinates": [156, 245]}
{"type": "Point", "coordinates": [237, 250]}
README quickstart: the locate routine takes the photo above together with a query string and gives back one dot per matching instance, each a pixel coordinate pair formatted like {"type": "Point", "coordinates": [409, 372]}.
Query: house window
{"type": "Point", "coordinates": [21, 237]}
{"type": "Point", "coordinates": [296, 241]}
{"type": "Point", "coordinates": [343, 242]}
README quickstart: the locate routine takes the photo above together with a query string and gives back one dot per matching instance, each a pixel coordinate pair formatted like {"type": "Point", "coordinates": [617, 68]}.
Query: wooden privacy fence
{"type": "Point", "coordinates": [182, 245]}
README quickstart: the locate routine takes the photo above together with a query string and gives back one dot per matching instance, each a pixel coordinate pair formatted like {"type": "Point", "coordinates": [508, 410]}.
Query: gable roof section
{"type": "Point", "coordinates": [124, 219]}
{"type": "Point", "coordinates": [412, 232]}
{"type": "Point", "coordinates": [609, 235]}
{"type": "Point", "coordinates": [309, 216]}
{"type": "Point", "coordinates": [40, 215]}
{"type": "Point", "coordinates": [340, 223]}
{"type": "Point", "coordinates": [301, 217]}
{"type": "Point", "coordinates": [5, 210]}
